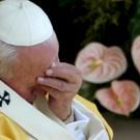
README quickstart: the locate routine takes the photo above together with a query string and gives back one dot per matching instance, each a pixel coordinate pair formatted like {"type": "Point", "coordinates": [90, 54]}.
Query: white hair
{"type": "Point", "coordinates": [9, 56]}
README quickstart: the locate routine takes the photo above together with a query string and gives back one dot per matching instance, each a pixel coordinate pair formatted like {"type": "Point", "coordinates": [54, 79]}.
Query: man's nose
{"type": "Point", "coordinates": [55, 63]}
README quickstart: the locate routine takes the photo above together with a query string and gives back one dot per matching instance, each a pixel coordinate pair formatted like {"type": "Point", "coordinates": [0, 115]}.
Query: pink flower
{"type": "Point", "coordinates": [123, 97]}
{"type": "Point", "coordinates": [99, 64]}
{"type": "Point", "coordinates": [136, 53]}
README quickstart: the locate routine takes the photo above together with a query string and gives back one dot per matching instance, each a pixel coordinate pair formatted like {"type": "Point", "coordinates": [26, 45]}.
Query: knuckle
{"type": "Point", "coordinates": [61, 86]}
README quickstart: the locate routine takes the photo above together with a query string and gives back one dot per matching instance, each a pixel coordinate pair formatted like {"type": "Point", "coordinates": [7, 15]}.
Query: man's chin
{"type": "Point", "coordinates": [31, 99]}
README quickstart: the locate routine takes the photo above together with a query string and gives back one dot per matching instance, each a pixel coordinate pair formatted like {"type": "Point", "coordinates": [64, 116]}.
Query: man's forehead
{"type": "Point", "coordinates": [38, 49]}
{"type": "Point", "coordinates": [39, 55]}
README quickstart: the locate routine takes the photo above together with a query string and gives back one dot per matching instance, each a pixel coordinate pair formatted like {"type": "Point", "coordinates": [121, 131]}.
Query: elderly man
{"type": "Point", "coordinates": [36, 89]}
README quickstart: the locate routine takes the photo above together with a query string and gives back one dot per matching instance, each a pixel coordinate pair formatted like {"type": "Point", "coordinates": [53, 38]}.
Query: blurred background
{"type": "Point", "coordinates": [110, 22]}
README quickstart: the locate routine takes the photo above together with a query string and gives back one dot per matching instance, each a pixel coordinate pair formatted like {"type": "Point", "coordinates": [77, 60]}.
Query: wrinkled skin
{"type": "Point", "coordinates": [62, 83]}
{"type": "Point", "coordinates": [38, 71]}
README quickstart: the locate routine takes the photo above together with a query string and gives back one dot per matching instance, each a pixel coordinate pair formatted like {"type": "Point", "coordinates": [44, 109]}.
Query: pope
{"type": "Point", "coordinates": [38, 98]}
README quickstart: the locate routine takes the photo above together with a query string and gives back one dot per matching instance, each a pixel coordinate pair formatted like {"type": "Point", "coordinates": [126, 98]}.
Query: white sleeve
{"type": "Point", "coordinates": [80, 125]}
{"type": "Point", "coordinates": [77, 123]}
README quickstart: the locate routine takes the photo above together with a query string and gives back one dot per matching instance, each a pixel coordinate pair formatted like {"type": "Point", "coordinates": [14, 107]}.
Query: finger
{"type": "Point", "coordinates": [54, 93]}
{"type": "Point", "coordinates": [66, 72]}
{"type": "Point", "coordinates": [58, 84]}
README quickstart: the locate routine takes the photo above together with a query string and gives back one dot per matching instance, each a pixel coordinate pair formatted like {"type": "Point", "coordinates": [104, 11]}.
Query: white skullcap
{"type": "Point", "coordinates": [22, 23]}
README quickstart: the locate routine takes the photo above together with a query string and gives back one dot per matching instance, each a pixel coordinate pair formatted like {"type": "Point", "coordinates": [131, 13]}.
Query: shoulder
{"type": "Point", "coordinates": [10, 130]}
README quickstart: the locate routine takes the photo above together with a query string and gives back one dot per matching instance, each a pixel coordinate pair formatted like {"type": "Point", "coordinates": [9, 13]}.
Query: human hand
{"type": "Point", "coordinates": [62, 82]}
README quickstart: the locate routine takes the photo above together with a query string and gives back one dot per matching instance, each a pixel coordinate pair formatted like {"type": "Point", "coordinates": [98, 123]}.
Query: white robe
{"type": "Point", "coordinates": [87, 125]}
{"type": "Point", "coordinates": [41, 124]}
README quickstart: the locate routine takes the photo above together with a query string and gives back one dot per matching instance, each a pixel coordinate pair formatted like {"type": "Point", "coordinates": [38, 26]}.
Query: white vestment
{"type": "Point", "coordinates": [41, 124]}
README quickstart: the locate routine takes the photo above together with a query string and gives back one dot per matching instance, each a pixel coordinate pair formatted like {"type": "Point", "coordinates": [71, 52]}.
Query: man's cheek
{"type": "Point", "coordinates": [38, 91]}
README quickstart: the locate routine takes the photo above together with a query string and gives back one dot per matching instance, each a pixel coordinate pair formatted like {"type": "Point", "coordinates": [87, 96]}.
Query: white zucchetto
{"type": "Point", "coordinates": [23, 23]}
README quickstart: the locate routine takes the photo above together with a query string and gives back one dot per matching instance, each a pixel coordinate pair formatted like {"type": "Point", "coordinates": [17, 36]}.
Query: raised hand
{"type": "Point", "coordinates": [62, 82]}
